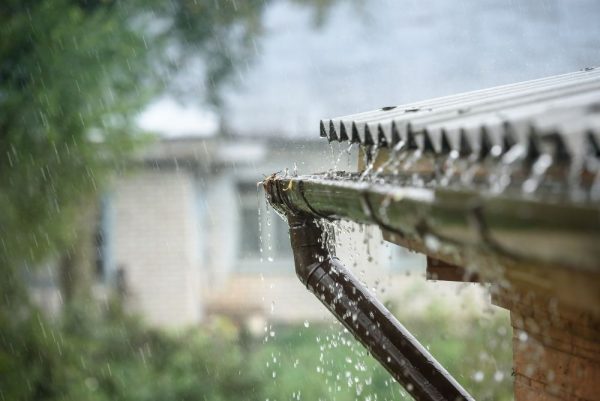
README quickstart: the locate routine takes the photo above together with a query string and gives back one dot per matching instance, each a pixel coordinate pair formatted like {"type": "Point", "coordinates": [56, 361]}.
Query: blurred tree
{"type": "Point", "coordinates": [92, 357]}
{"type": "Point", "coordinates": [108, 356]}
{"type": "Point", "coordinates": [71, 79]}
{"type": "Point", "coordinates": [73, 76]}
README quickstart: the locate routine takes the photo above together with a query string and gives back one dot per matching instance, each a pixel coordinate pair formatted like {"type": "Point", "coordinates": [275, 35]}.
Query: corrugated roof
{"type": "Point", "coordinates": [558, 116]}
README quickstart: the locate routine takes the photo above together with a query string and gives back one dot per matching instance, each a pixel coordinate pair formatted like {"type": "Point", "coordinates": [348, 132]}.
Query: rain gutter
{"type": "Point", "coordinates": [455, 225]}
{"type": "Point", "coordinates": [364, 316]}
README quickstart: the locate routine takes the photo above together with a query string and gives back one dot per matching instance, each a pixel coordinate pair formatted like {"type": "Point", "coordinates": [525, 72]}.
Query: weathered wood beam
{"type": "Point", "coordinates": [442, 271]}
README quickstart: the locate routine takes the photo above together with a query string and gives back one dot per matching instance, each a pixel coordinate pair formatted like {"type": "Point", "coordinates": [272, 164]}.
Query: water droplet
{"type": "Point", "coordinates": [478, 376]}
{"type": "Point", "coordinates": [523, 336]}
{"type": "Point", "coordinates": [498, 376]}
{"type": "Point", "coordinates": [91, 383]}
{"type": "Point", "coordinates": [432, 243]}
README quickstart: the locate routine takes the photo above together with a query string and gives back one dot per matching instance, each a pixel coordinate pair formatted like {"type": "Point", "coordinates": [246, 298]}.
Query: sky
{"type": "Point", "coordinates": [170, 118]}
{"type": "Point", "coordinates": [388, 52]}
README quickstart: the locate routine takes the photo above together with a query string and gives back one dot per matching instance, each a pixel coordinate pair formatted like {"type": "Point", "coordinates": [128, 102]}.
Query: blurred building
{"type": "Point", "coordinates": [186, 233]}
{"type": "Point", "coordinates": [181, 230]}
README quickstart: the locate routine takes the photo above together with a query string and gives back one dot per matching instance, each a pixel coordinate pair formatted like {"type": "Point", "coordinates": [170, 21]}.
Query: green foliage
{"type": "Point", "coordinates": [101, 354]}
{"type": "Point", "coordinates": [67, 101]}
{"type": "Point", "coordinates": [89, 357]}
{"type": "Point", "coordinates": [323, 363]}
{"type": "Point", "coordinates": [477, 351]}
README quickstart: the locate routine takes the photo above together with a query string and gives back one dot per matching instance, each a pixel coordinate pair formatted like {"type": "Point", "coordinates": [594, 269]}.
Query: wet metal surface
{"type": "Point", "coordinates": [535, 135]}
{"type": "Point", "coordinates": [563, 111]}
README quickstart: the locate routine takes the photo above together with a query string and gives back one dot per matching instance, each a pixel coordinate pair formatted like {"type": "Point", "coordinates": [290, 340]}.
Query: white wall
{"type": "Point", "coordinates": [155, 241]}
{"type": "Point", "coordinates": [221, 231]}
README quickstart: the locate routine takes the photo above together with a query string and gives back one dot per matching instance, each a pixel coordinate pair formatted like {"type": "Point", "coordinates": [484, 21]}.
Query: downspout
{"type": "Point", "coordinates": [360, 312]}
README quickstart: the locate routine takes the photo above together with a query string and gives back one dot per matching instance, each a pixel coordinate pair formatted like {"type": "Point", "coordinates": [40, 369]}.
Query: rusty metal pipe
{"type": "Point", "coordinates": [366, 318]}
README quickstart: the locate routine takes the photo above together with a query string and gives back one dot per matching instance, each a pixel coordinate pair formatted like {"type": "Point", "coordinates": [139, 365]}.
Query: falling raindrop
{"type": "Point", "coordinates": [498, 376]}
{"type": "Point", "coordinates": [523, 336]}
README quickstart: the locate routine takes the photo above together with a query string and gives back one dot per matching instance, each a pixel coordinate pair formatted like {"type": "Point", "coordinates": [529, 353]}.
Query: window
{"type": "Point", "coordinates": [249, 226]}
{"type": "Point", "coordinates": [103, 252]}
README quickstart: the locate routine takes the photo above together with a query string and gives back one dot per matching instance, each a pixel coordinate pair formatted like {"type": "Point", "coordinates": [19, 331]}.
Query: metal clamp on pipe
{"type": "Point", "coordinates": [360, 312]}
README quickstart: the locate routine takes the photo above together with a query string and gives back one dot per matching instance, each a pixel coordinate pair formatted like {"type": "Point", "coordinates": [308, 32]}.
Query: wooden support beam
{"type": "Point", "coordinates": [442, 271]}
{"type": "Point", "coordinates": [556, 347]}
